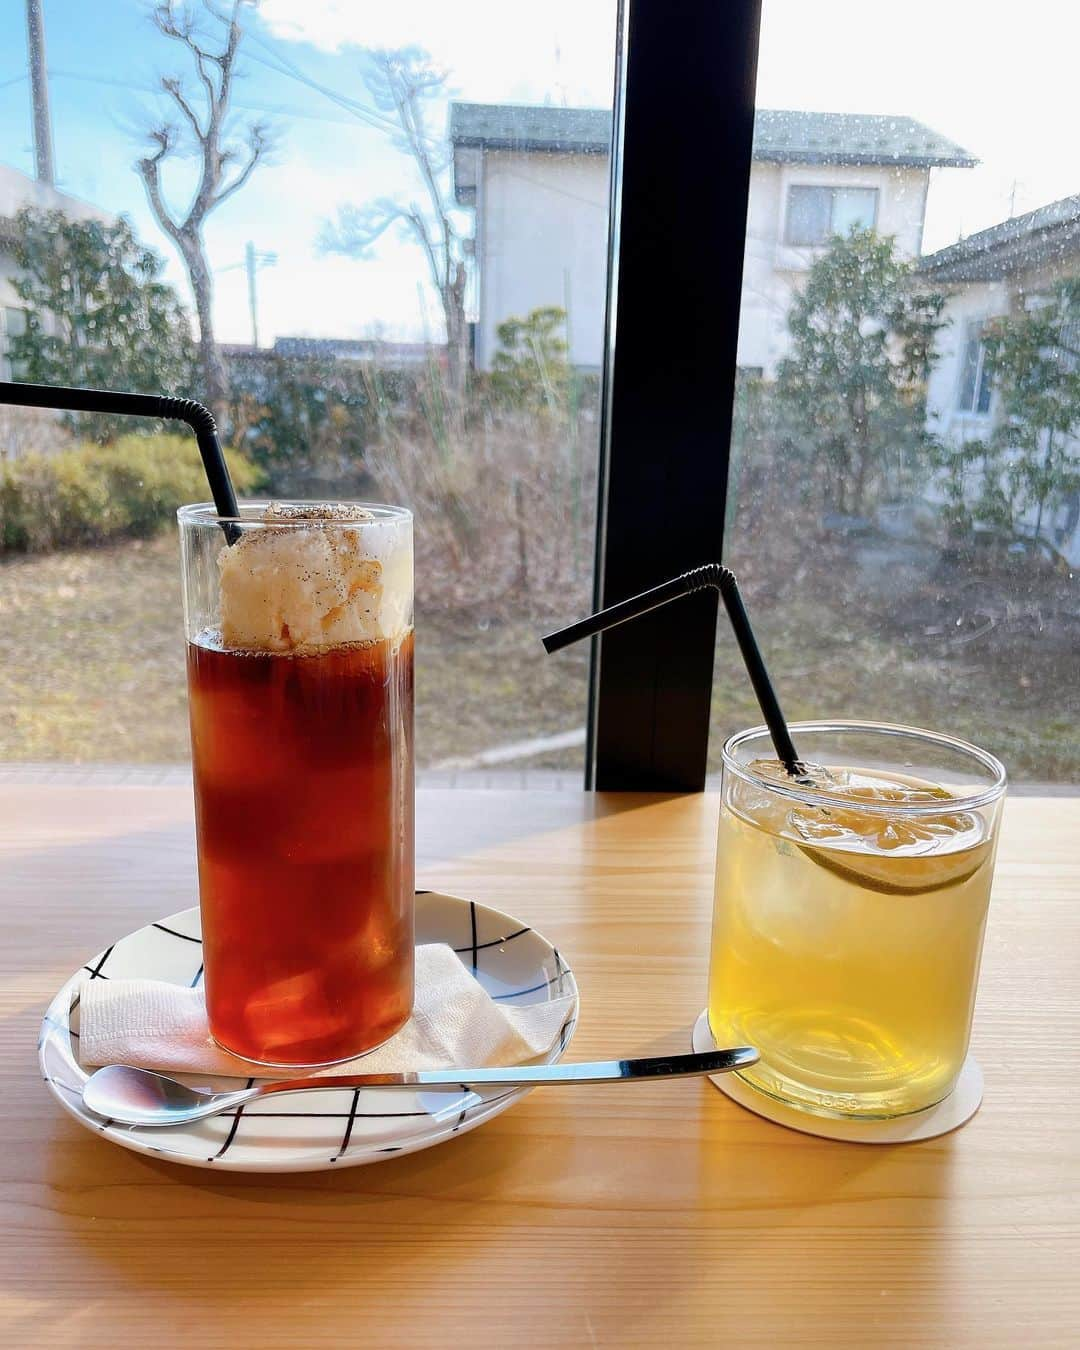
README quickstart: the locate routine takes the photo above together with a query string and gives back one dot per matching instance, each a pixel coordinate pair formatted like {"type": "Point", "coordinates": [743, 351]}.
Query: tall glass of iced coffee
{"type": "Point", "coordinates": [300, 681]}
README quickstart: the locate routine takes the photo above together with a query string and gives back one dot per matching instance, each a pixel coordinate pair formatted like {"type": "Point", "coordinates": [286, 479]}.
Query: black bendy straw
{"type": "Point", "coordinates": [701, 578]}
{"type": "Point", "coordinates": [200, 419]}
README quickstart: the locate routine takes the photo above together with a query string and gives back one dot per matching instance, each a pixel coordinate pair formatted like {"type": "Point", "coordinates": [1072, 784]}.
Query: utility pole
{"type": "Point", "coordinates": [39, 94]}
{"type": "Point", "coordinates": [250, 264]}
{"type": "Point", "coordinates": [254, 260]}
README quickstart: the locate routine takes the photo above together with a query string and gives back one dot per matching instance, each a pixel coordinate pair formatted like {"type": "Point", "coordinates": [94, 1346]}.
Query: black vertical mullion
{"type": "Point", "coordinates": [681, 170]}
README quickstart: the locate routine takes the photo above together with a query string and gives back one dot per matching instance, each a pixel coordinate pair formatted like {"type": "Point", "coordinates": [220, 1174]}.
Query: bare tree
{"type": "Point", "coordinates": [201, 129]}
{"type": "Point", "coordinates": [401, 83]}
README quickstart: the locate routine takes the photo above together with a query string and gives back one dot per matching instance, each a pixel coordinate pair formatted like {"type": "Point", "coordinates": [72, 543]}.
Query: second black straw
{"type": "Point", "coordinates": [720, 578]}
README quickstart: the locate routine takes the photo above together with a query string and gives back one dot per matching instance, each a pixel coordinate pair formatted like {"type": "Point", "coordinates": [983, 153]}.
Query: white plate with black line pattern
{"type": "Point", "coordinates": [311, 1132]}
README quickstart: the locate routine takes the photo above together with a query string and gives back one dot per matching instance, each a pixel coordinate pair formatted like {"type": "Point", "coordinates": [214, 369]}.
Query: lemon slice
{"type": "Point", "coordinates": [892, 854]}
{"type": "Point", "coordinates": [903, 875]}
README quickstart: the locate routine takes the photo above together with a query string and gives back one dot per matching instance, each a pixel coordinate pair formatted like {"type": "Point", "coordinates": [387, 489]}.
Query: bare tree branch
{"type": "Point", "coordinates": [148, 171]}
{"type": "Point", "coordinates": [201, 58]}
{"type": "Point", "coordinates": [259, 144]}
{"type": "Point", "coordinates": [419, 228]}
{"type": "Point", "coordinates": [400, 82]}
{"type": "Point", "coordinates": [174, 89]}
{"type": "Point", "coordinates": [357, 228]}
{"type": "Point", "coordinates": [215, 67]}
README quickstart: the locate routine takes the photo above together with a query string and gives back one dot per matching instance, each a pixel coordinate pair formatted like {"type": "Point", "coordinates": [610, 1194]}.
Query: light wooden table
{"type": "Point", "coordinates": [660, 1215]}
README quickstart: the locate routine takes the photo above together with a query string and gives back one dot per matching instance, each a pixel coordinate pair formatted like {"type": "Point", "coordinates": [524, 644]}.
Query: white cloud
{"type": "Point", "coordinates": [562, 51]}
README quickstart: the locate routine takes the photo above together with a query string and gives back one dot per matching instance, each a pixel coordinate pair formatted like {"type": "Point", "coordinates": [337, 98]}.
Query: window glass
{"type": "Point", "coordinates": [809, 215]}
{"type": "Point", "coordinates": [902, 560]}
{"type": "Point", "coordinates": [969, 374]}
{"type": "Point", "coordinates": [982, 402]}
{"type": "Point", "coordinates": [815, 213]}
{"type": "Point", "coordinates": [853, 209]}
{"type": "Point", "coordinates": [400, 289]}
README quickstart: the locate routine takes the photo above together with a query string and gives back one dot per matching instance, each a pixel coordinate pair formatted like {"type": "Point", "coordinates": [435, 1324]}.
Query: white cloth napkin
{"type": "Point", "coordinates": [455, 1022]}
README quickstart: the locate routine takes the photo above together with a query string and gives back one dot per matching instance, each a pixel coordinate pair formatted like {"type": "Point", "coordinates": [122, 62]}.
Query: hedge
{"type": "Point", "coordinates": [93, 493]}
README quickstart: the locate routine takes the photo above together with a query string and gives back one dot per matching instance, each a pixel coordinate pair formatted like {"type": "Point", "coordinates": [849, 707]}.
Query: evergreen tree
{"type": "Point", "coordinates": [854, 383]}
{"type": "Point", "coordinates": [97, 312]}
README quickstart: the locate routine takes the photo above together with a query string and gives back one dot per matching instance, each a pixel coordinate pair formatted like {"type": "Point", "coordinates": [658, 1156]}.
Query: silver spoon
{"type": "Point", "coordinates": [140, 1097]}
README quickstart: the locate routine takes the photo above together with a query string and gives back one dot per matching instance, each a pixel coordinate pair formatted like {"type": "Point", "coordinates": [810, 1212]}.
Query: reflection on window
{"type": "Point", "coordinates": [816, 213]}
{"type": "Point", "coordinates": [427, 332]}
{"type": "Point", "coordinates": [904, 497]}
{"type": "Point", "coordinates": [975, 382]}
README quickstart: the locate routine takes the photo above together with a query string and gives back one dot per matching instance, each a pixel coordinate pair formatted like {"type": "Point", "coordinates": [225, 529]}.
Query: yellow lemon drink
{"type": "Point", "coordinates": [848, 926]}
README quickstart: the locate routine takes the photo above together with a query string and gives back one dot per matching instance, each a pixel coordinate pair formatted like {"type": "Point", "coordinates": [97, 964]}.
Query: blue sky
{"type": "Point", "coordinates": [105, 59]}
{"type": "Point", "coordinates": [1004, 88]}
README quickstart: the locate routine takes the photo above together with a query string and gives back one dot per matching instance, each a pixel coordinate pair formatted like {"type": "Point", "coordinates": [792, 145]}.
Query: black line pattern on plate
{"type": "Point", "coordinates": [481, 1106]}
{"type": "Point", "coordinates": [48, 1021]}
{"type": "Point", "coordinates": [483, 946]}
{"type": "Point", "coordinates": [187, 937]}
{"type": "Point", "coordinates": [533, 989]}
{"type": "Point", "coordinates": [95, 971]}
{"type": "Point", "coordinates": [325, 1115]}
{"type": "Point", "coordinates": [232, 1129]}
{"type": "Point", "coordinates": [348, 1126]}
{"type": "Point", "coordinates": [564, 1030]}
{"type": "Point", "coordinates": [198, 977]}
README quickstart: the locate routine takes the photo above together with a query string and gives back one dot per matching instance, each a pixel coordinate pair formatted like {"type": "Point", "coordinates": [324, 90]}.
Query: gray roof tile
{"type": "Point", "coordinates": [779, 136]}
{"type": "Point", "coordinates": [1038, 238]}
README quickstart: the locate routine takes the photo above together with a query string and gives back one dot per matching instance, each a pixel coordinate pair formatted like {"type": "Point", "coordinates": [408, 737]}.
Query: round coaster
{"type": "Point", "coordinates": [959, 1106]}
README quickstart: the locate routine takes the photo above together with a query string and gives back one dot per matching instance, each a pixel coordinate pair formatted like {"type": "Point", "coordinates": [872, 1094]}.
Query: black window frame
{"type": "Point", "coordinates": [681, 155]}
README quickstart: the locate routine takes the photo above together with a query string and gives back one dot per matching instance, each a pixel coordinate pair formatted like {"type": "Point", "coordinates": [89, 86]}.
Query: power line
{"type": "Point", "coordinates": [281, 65]}
{"type": "Point", "coordinates": [156, 89]}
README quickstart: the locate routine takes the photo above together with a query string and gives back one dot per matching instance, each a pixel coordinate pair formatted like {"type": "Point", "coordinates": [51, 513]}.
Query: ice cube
{"type": "Point", "coordinates": [293, 1011]}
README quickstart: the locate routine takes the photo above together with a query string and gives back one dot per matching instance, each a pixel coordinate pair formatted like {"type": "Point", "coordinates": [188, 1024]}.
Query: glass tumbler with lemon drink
{"type": "Point", "coordinates": [849, 913]}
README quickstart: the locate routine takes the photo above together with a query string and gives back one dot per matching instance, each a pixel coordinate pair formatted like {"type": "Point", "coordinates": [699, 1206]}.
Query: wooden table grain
{"type": "Point", "coordinates": [663, 1214]}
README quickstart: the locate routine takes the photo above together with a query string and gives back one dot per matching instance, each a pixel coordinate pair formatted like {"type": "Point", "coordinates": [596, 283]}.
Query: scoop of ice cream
{"type": "Point", "coordinates": [316, 585]}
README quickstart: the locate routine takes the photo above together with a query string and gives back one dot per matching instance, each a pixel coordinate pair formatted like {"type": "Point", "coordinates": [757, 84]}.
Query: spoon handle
{"type": "Point", "coordinates": [532, 1075]}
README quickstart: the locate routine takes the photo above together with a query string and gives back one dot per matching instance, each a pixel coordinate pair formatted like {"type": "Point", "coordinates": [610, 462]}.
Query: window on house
{"type": "Point", "coordinates": [814, 214]}
{"type": "Point", "coordinates": [975, 379]}
{"type": "Point", "coordinates": [14, 323]}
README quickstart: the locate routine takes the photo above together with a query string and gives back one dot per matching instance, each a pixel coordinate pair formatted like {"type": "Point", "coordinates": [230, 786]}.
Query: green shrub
{"type": "Point", "coordinates": [92, 493]}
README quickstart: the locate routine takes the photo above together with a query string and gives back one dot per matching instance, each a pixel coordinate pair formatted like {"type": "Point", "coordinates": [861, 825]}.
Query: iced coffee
{"type": "Point", "coordinates": [300, 678]}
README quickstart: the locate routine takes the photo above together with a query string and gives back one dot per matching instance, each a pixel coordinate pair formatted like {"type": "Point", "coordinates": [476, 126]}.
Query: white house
{"type": "Point", "coordinates": [999, 271]}
{"type": "Point", "coordinates": [537, 180]}
{"type": "Point", "coordinates": [17, 191]}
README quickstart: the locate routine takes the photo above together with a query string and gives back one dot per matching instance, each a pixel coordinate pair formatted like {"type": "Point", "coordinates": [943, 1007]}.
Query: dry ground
{"type": "Point", "coordinates": [91, 665]}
